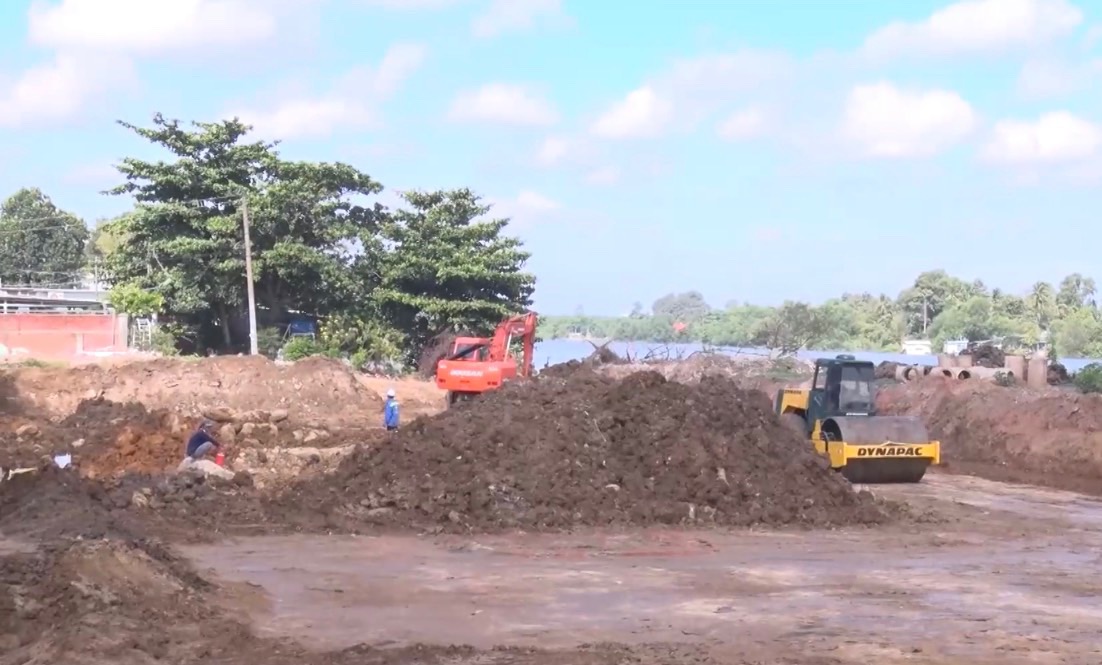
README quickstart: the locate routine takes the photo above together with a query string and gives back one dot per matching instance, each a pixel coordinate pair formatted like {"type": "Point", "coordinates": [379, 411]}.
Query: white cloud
{"type": "Point", "coordinates": [607, 175]}
{"type": "Point", "coordinates": [742, 125]}
{"type": "Point", "coordinates": [527, 206]}
{"type": "Point", "coordinates": [310, 118]}
{"type": "Point", "coordinates": [502, 104]}
{"type": "Point", "coordinates": [1042, 78]}
{"type": "Point", "coordinates": [1054, 137]}
{"type": "Point", "coordinates": [724, 73]}
{"type": "Point", "coordinates": [515, 15]}
{"type": "Point", "coordinates": [553, 150]}
{"type": "Point", "coordinates": [61, 89]}
{"type": "Point", "coordinates": [351, 103]}
{"type": "Point", "coordinates": [977, 26]}
{"type": "Point", "coordinates": [886, 121]}
{"type": "Point", "coordinates": [642, 114]}
{"type": "Point", "coordinates": [411, 5]}
{"type": "Point", "coordinates": [147, 27]}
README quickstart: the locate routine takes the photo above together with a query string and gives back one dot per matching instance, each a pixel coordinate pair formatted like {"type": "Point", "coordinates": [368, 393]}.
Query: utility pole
{"type": "Point", "coordinates": [249, 278]}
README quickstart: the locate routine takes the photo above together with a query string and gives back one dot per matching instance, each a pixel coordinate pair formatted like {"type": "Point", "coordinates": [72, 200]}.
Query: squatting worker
{"type": "Point", "coordinates": [202, 442]}
{"type": "Point", "coordinates": [390, 412]}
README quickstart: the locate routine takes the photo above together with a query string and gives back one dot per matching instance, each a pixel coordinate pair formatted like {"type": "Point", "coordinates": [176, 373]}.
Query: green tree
{"type": "Point", "coordinates": [791, 327]}
{"type": "Point", "coordinates": [450, 268]}
{"type": "Point", "coordinates": [1075, 291]}
{"type": "Point", "coordinates": [185, 240]}
{"type": "Point", "coordinates": [931, 293]}
{"type": "Point", "coordinates": [684, 307]}
{"type": "Point", "coordinates": [39, 242]}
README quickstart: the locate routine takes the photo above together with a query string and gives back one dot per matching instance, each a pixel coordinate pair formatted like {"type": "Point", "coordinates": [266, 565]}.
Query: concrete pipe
{"type": "Point", "coordinates": [946, 360]}
{"type": "Point", "coordinates": [906, 373]}
{"type": "Point", "coordinates": [964, 360]}
{"type": "Point", "coordinates": [989, 373]}
{"type": "Point", "coordinates": [1036, 375]}
{"type": "Point", "coordinates": [946, 372]}
{"type": "Point", "coordinates": [927, 369]}
{"type": "Point", "coordinates": [962, 373]}
{"type": "Point", "coordinates": [1015, 364]}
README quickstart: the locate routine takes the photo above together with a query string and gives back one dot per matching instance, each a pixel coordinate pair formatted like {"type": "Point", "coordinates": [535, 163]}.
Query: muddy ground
{"type": "Point", "coordinates": [610, 516]}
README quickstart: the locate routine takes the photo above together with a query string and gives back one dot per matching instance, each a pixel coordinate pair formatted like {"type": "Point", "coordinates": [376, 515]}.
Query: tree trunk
{"type": "Point", "coordinates": [227, 335]}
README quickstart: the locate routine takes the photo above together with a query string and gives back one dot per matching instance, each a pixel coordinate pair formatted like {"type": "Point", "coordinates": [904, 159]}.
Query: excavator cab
{"type": "Point", "coordinates": [838, 416]}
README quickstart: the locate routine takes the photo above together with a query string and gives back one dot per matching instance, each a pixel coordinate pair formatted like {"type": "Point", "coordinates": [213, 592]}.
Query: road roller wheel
{"type": "Point", "coordinates": [885, 471]}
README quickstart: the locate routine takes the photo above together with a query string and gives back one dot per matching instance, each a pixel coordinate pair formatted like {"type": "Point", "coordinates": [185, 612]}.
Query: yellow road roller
{"type": "Point", "coordinates": [838, 415]}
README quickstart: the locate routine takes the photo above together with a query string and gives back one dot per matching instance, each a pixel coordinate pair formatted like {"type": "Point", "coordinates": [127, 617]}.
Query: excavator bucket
{"type": "Point", "coordinates": [880, 449]}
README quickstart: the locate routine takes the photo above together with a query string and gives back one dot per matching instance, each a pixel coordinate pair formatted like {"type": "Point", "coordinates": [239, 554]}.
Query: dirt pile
{"type": "Point", "coordinates": [987, 355]}
{"type": "Point", "coordinates": [314, 391]}
{"type": "Point", "coordinates": [1051, 438]}
{"type": "Point", "coordinates": [119, 601]}
{"type": "Point", "coordinates": [587, 449]}
{"type": "Point", "coordinates": [51, 502]}
{"type": "Point", "coordinates": [760, 372]}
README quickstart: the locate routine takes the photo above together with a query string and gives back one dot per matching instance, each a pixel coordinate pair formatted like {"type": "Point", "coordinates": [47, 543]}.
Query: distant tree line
{"type": "Point", "coordinates": [937, 306]}
{"type": "Point", "coordinates": [382, 282]}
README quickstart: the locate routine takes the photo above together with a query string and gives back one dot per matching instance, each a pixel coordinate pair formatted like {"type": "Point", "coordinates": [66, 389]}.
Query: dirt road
{"type": "Point", "coordinates": [1009, 576]}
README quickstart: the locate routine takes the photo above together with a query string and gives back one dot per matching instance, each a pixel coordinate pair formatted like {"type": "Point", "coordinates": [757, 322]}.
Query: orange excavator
{"type": "Point", "coordinates": [477, 365]}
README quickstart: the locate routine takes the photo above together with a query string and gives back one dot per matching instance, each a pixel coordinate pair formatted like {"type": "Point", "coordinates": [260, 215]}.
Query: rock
{"type": "Point", "coordinates": [311, 436]}
{"type": "Point", "coordinates": [278, 415]}
{"type": "Point", "coordinates": [227, 434]}
{"type": "Point", "coordinates": [299, 435]}
{"type": "Point", "coordinates": [139, 500]}
{"type": "Point", "coordinates": [77, 444]}
{"type": "Point", "coordinates": [250, 443]}
{"type": "Point", "coordinates": [273, 431]}
{"type": "Point", "coordinates": [255, 416]}
{"type": "Point", "coordinates": [221, 414]}
{"type": "Point", "coordinates": [247, 429]}
{"type": "Point", "coordinates": [453, 517]}
{"type": "Point", "coordinates": [29, 429]}
{"type": "Point", "coordinates": [205, 467]}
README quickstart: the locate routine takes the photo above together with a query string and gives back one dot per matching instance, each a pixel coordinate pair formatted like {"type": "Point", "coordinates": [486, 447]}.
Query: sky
{"type": "Point", "coordinates": [751, 150]}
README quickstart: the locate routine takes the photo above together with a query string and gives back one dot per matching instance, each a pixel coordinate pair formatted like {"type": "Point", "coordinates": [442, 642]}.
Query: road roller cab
{"type": "Point", "coordinates": [838, 415]}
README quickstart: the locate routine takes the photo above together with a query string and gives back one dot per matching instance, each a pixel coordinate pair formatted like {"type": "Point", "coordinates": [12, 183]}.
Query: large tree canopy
{"type": "Point", "coordinates": [39, 242]}
{"type": "Point", "coordinates": [447, 267]}
{"type": "Point", "coordinates": [185, 237]}
{"type": "Point", "coordinates": [377, 279]}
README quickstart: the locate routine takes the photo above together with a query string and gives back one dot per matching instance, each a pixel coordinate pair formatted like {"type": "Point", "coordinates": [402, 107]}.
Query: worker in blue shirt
{"type": "Point", "coordinates": [390, 412]}
{"type": "Point", "coordinates": [202, 442]}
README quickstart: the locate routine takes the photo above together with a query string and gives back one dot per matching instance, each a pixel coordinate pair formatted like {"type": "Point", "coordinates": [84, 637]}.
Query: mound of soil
{"type": "Point", "coordinates": [586, 449]}
{"type": "Point", "coordinates": [52, 502]}
{"type": "Point", "coordinates": [1051, 438]}
{"type": "Point", "coordinates": [987, 355]}
{"type": "Point", "coordinates": [119, 601]}
{"type": "Point", "coordinates": [314, 391]}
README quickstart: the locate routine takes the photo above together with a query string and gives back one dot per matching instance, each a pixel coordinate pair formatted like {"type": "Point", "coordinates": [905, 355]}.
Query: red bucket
{"type": "Point", "coordinates": [220, 459]}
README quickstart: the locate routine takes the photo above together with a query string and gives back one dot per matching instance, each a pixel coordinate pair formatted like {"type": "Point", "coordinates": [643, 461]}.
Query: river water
{"type": "Point", "coordinates": [554, 351]}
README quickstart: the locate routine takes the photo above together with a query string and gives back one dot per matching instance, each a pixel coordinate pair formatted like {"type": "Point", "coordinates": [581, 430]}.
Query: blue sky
{"type": "Point", "coordinates": [754, 151]}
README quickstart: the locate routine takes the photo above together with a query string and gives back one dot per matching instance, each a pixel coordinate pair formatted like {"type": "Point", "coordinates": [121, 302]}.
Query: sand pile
{"type": "Point", "coordinates": [586, 449]}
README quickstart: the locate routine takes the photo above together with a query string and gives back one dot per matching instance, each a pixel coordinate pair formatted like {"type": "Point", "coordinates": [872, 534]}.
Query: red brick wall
{"type": "Point", "coordinates": [61, 336]}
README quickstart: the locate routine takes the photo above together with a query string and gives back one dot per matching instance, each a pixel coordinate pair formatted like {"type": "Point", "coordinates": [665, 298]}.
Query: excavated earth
{"type": "Point", "coordinates": [591, 492]}
{"type": "Point", "coordinates": [1050, 438]}
{"type": "Point", "coordinates": [580, 448]}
